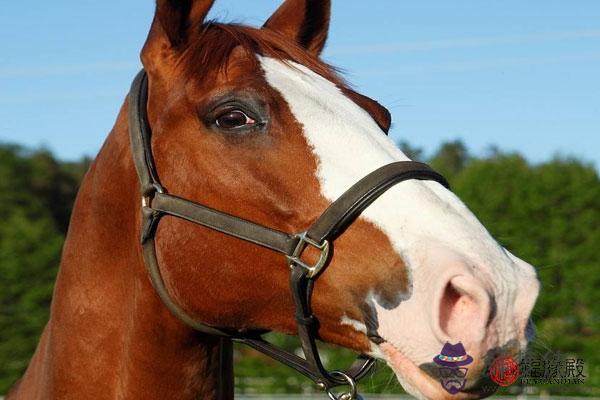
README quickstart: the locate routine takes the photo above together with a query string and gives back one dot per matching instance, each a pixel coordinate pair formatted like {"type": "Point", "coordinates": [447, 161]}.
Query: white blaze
{"type": "Point", "coordinates": [348, 145]}
{"type": "Point", "coordinates": [419, 217]}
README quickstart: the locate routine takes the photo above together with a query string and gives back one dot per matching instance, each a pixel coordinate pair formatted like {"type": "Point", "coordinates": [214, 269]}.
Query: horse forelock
{"type": "Point", "coordinates": [211, 49]}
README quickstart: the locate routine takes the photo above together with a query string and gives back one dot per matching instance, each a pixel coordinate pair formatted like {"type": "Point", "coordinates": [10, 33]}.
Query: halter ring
{"type": "Point", "coordinates": [149, 193]}
{"type": "Point", "coordinates": [350, 395]}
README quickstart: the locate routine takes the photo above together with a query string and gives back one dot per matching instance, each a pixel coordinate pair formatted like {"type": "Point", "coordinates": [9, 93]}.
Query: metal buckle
{"type": "Point", "coordinates": [294, 259]}
{"type": "Point", "coordinates": [149, 193]}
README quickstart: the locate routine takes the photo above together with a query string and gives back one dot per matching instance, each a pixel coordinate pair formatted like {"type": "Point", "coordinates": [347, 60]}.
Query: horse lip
{"type": "Point", "coordinates": [425, 384]}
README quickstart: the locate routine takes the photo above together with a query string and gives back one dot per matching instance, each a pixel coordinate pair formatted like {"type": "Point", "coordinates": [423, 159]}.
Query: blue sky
{"type": "Point", "coordinates": [521, 75]}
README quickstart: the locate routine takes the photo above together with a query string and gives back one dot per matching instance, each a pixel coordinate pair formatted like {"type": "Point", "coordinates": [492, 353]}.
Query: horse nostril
{"type": "Point", "coordinates": [464, 309]}
{"type": "Point", "coordinates": [448, 306]}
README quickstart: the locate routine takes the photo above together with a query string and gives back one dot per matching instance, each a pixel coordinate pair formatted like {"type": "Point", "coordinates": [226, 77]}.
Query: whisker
{"type": "Point", "coordinates": [548, 266]}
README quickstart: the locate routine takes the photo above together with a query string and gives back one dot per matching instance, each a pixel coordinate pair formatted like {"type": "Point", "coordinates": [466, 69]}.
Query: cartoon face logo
{"type": "Point", "coordinates": [451, 361]}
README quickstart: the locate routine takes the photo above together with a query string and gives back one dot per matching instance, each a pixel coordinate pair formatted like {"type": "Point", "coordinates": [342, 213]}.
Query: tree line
{"type": "Point", "coordinates": [546, 213]}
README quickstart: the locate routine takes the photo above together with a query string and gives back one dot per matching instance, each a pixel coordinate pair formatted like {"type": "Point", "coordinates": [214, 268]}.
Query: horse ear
{"type": "Point", "coordinates": [173, 22]}
{"type": "Point", "coordinates": [304, 21]}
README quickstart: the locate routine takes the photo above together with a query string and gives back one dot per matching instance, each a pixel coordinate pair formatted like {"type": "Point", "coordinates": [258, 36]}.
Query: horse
{"type": "Point", "coordinates": [252, 128]}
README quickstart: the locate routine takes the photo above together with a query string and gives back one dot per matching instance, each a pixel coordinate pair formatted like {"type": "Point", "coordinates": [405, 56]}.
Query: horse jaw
{"type": "Point", "coordinates": [446, 249]}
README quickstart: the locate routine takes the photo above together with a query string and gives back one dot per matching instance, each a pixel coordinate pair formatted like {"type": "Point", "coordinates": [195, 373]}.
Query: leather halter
{"type": "Point", "coordinates": [156, 202]}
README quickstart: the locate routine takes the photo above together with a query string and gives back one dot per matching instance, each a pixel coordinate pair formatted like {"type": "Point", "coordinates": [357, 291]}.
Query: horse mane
{"type": "Point", "coordinates": [211, 50]}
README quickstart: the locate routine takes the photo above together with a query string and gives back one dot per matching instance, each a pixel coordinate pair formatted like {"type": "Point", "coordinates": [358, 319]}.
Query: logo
{"type": "Point", "coordinates": [504, 371]}
{"type": "Point", "coordinates": [551, 368]}
{"type": "Point", "coordinates": [451, 362]}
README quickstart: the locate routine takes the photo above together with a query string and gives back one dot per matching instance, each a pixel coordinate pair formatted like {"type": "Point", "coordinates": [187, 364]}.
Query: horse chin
{"type": "Point", "coordinates": [415, 381]}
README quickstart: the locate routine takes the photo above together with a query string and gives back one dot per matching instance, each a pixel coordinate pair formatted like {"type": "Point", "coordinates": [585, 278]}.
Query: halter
{"type": "Point", "coordinates": [156, 202]}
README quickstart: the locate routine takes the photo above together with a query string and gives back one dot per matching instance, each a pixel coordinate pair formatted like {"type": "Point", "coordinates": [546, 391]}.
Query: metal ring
{"type": "Point", "coordinates": [149, 192]}
{"type": "Point", "coordinates": [350, 395]}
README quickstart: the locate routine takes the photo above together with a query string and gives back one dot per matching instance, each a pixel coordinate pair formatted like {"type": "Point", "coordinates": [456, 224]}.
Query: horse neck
{"type": "Point", "coordinates": [109, 336]}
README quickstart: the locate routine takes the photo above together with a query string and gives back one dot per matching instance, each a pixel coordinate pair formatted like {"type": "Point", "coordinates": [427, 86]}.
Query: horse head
{"type": "Point", "coordinates": [253, 123]}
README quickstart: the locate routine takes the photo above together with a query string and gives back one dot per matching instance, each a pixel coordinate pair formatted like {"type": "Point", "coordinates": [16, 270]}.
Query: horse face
{"type": "Point", "coordinates": [250, 122]}
{"type": "Point", "coordinates": [432, 274]}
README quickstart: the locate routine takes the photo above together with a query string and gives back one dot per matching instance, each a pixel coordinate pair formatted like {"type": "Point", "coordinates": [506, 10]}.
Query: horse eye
{"type": "Point", "coordinates": [234, 119]}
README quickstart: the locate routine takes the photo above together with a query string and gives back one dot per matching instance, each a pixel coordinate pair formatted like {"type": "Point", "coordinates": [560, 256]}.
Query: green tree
{"type": "Point", "coordinates": [548, 214]}
{"type": "Point", "coordinates": [36, 194]}
{"type": "Point", "coordinates": [450, 159]}
{"type": "Point", "coordinates": [412, 152]}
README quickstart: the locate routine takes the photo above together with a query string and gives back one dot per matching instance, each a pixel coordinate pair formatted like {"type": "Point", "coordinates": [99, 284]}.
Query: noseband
{"type": "Point", "coordinates": [156, 202]}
